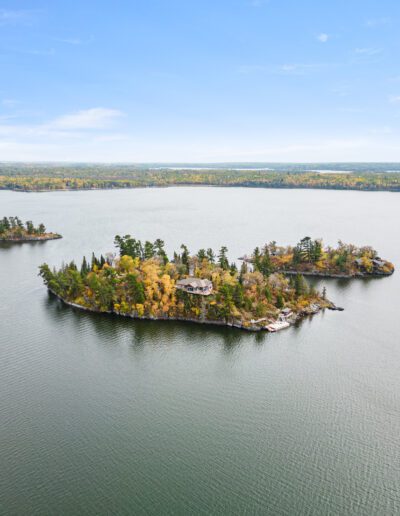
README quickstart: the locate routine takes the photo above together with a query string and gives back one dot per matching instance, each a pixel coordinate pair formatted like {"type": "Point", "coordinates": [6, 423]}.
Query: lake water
{"type": "Point", "coordinates": [100, 415]}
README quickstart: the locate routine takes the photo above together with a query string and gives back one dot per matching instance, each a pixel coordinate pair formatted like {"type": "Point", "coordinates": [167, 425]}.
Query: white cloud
{"type": "Point", "coordinates": [34, 52]}
{"type": "Point", "coordinates": [299, 68]}
{"type": "Point", "coordinates": [87, 136]}
{"type": "Point", "coordinates": [376, 22]}
{"type": "Point", "coordinates": [68, 134]}
{"type": "Point", "coordinates": [323, 37]}
{"type": "Point", "coordinates": [9, 103]}
{"type": "Point", "coordinates": [75, 40]}
{"type": "Point", "coordinates": [394, 99]}
{"type": "Point", "coordinates": [285, 69]}
{"type": "Point", "coordinates": [14, 17]}
{"type": "Point", "coordinates": [71, 41]}
{"type": "Point", "coordinates": [366, 51]}
{"type": "Point", "coordinates": [94, 118]}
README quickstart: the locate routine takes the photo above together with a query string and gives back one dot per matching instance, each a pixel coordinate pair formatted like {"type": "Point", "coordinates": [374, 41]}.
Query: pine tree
{"type": "Point", "coordinates": [185, 255]}
{"type": "Point", "coordinates": [222, 258]}
{"type": "Point", "coordinates": [210, 255]}
{"type": "Point", "coordinates": [84, 267]}
{"type": "Point", "coordinates": [300, 285]}
{"type": "Point", "coordinates": [201, 255]}
{"type": "Point", "coordinates": [256, 259]}
{"type": "Point", "coordinates": [265, 266]}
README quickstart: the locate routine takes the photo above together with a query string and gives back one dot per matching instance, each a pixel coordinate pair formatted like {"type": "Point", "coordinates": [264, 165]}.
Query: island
{"type": "Point", "coordinates": [311, 258]}
{"type": "Point", "coordinates": [141, 282]}
{"type": "Point", "coordinates": [12, 229]}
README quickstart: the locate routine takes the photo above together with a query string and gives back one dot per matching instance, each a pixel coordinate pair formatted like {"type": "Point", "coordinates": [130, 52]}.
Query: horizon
{"type": "Point", "coordinates": [253, 81]}
{"type": "Point", "coordinates": [189, 163]}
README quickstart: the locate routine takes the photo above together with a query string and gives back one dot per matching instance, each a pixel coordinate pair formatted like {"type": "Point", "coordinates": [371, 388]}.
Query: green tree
{"type": "Point", "coordinates": [222, 258]}
{"type": "Point", "coordinates": [210, 255]}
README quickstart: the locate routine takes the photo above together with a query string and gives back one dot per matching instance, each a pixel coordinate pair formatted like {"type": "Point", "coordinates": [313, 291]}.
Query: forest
{"type": "Point", "coordinates": [313, 258]}
{"type": "Point", "coordinates": [142, 281]}
{"type": "Point", "coordinates": [13, 229]}
{"type": "Point", "coordinates": [46, 177]}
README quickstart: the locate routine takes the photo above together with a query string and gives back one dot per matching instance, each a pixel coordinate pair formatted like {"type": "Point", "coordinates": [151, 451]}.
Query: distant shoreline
{"type": "Point", "coordinates": [205, 185]}
{"type": "Point", "coordinates": [54, 178]}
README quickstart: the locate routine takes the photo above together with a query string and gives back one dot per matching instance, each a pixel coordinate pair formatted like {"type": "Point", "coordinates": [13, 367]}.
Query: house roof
{"type": "Point", "coordinates": [194, 282]}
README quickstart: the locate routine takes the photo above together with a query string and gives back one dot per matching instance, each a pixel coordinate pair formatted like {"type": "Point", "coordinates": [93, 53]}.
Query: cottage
{"type": "Point", "coordinates": [199, 286]}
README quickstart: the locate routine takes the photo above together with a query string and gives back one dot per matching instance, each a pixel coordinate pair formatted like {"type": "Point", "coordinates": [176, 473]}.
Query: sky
{"type": "Point", "coordinates": [200, 80]}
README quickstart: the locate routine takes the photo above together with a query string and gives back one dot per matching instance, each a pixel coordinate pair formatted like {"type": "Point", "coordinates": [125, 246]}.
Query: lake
{"type": "Point", "coordinates": [101, 415]}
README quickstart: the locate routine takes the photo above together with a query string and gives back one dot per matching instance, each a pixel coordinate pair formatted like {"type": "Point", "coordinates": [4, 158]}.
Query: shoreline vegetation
{"type": "Point", "coordinates": [12, 229]}
{"type": "Point", "coordinates": [141, 282]}
{"type": "Point", "coordinates": [47, 177]}
{"type": "Point", "coordinates": [311, 258]}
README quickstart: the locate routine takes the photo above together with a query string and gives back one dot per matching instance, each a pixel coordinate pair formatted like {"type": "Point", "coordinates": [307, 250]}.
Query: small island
{"type": "Point", "coordinates": [12, 229]}
{"type": "Point", "coordinates": [311, 258]}
{"type": "Point", "coordinates": [143, 283]}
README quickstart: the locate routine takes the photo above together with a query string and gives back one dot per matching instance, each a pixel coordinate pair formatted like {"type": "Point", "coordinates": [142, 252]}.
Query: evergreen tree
{"type": "Point", "coordinates": [149, 250]}
{"type": "Point", "coordinates": [265, 266]}
{"type": "Point", "coordinates": [201, 255]}
{"type": "Point", "coordinates": [210, 255]}
{"type": "Point", "coordinates": [267, 293]}
{"type": "Point", "coordinates": [222, 258]}
{"type": "Point", "coordinates": [280, 303]}
{"type": "Point", "coordinates": [238, 295]}
{"type": "Point", "coordinates": [300, 285]}
{"type": "Point", "coordinates": [95, 261]}
{"type": "Point", "coordinates": [185, 255]}
{"type": "Point", "coordinates": [30, 227]}
{"type": "Point", "coordinates": [243, 271]}
{"type": "Point", "coordinates": [257, 259]}
{"type": "Point", "coordinates": [84, 267]}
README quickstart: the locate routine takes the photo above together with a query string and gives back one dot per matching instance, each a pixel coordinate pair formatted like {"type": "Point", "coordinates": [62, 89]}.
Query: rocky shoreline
{"type": "Point", "coordinates": [319, 274]}
{"type": "Point", "coordinates": [231, 324]}
{"type": "Point", "coordinates": [32, 238]}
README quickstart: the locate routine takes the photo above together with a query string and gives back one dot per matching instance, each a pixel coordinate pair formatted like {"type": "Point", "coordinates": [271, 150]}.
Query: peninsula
{"type": "Point", "coordinates": [12, 229]}
{"type": "Point", "coordinates": [143, 283]}
{"type": "Point", "coordinates": [311, 258]}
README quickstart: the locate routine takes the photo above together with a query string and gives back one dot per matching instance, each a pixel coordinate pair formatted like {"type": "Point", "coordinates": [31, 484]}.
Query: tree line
{"type": "Point", "coordinates": [102, 177]}
{"type": "Point", "coordinates": [15, 226]}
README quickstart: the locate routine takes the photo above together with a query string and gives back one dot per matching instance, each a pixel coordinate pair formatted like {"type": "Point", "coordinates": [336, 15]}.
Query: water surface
{"type": "Point", "coordinates": [101, 415]}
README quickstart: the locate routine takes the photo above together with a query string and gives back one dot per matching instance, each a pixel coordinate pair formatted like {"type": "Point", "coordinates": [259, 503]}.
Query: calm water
{"type": "Point", "coordinates": [100, 415]}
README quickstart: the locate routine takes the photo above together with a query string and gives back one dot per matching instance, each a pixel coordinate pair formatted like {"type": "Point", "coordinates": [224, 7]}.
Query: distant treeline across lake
{"type": "Point", "coordinates": [64, 176]}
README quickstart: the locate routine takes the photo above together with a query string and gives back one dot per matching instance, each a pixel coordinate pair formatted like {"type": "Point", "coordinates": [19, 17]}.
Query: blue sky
{"type": "Point", "coordinates": [209, 80]}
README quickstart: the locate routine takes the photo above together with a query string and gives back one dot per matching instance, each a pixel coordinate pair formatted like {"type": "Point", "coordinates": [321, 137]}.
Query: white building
{"type": "Point", "coordinates": [203, 287]}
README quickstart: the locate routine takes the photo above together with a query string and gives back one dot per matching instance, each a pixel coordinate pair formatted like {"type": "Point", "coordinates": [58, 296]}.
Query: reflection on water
{"type": "Point", "coordinates": [147, 331]}
{"type": "Point", "coordinates": [4, 246]}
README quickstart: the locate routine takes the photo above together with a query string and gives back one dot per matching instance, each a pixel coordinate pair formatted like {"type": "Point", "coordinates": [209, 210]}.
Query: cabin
{"type": "Point", "coordinates": [202, 287]}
